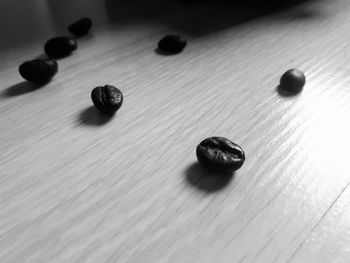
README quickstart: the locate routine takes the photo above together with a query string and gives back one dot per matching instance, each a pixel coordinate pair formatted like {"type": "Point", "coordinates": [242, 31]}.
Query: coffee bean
{"type": "Point", "coordinates": [59, 47]}
{"type": "Point", "coordinates": [292, 81]}
{"type": "Point", "coordinates": [80, 27]}
{"type": "Point", "coordinates": [39, 71]}
{"type": "Point", "coordinates": [220, 154]}
{"type": "Point", "coordinates": [108, 99]}
{"type": "Point", "coordinates": [172, 44]}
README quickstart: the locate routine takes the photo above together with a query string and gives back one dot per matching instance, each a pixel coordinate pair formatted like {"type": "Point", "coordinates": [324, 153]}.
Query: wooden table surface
{"type": "Point", "coordinates": [78, 187]}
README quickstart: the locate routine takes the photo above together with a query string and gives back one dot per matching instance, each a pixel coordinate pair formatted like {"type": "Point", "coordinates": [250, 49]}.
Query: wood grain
{"type": "Point", "coordinates": [78, 187]}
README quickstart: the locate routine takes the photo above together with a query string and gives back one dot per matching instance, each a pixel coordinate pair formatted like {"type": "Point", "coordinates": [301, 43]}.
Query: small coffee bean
{"type": "Point", "coordinates": [108, 99]}
{"type": "Point", "coordinates": [172, 44]}
{"type": "Point", "coordinates": [80, 27]}
{"type": "Point", "coordinates": [59, 47]}
{"type": "Point", "coordinates": [38, 71]}
{"type": "Point", "coordinates": [220, 154]}
{"type": "Point", "coordinates": [292, 81]}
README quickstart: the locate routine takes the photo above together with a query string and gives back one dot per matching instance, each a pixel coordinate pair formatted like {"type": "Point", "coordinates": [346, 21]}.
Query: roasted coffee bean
{"type": "Point", "coordinates": [172, 44]}
{"type": "Point", "coordinates": [108, 99]}
{"type": "Point", "coordinates": [80, 27]}
{"type": "Point", "coordinates": [292, 81]}
{"type": "Point", "coordinates": [38, 71]}
{"type": "Point", "coordinates": [220, 154]}
{"type": "Point", "coordinates": [59, 47]}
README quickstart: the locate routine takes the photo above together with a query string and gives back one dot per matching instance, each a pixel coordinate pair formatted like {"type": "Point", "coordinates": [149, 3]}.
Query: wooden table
{"type": "Point", "coordinates": [76, 186]}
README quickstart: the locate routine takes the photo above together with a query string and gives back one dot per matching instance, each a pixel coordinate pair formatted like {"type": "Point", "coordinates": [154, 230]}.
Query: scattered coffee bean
{"type": "Point", "coordinates": [59, 47]}
{"type": "Point", "coordinates": [108, 99]}
{"type": "Point", "coordinates": [172, 44]}
{"type": "Point", "coordinates": [38, 71]}
{"type": "Point", "coordinates": [292, 81]}
{"type": "Point", "coordinates": [220, 154]}
{"type": "Point", "coordinates": [80, 27]}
